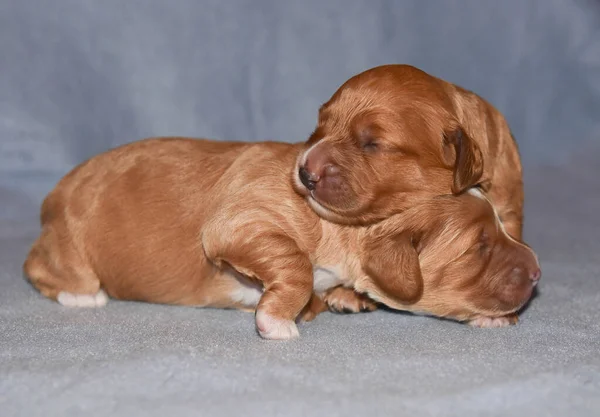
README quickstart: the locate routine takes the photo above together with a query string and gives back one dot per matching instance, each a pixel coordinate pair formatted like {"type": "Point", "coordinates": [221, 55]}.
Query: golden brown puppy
{"type": "Point", "coordinates": [449, 256]}
{"type": "Point", "coordinates": [204, 223]}
{"type": "Point", "coordinates": [393, 134]}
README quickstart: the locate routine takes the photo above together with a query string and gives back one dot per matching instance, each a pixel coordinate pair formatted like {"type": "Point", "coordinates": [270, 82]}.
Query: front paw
{"type": "Point", "coordinates": [346, 300]}
{"type": "Point", "coordinates": [314, 307]}
{"type": "Point", "coordinates": [495, 322]}
{"type": "Point", "coordinates": [273, 328]}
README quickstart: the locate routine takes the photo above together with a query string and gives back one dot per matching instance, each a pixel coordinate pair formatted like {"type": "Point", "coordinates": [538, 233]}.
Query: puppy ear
{"type": "Point", "coordinates": [392, 262]}
{"type": "Point", "coordinates": [468, 160]}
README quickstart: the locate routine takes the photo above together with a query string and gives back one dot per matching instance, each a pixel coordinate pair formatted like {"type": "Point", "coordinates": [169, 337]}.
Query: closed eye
{"type": "Point", "coordinates": [371, 146]}
{"type": "Point", "coordinates": [484, 248]}
{"type": "Point", "coordinates": [367, 139]}
{"type": "Point", "coordinates": [485, 244]}
{"type": "Point", "coordinates": [368, 143]}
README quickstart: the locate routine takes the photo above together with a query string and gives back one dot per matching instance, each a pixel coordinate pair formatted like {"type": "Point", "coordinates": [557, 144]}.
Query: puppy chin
{"type": "Point", "coordinates": [492, 313]}
{"type": "Point", "coordinates": [517, 302]}
{"type": "Point", "coordinates": [323, 211]}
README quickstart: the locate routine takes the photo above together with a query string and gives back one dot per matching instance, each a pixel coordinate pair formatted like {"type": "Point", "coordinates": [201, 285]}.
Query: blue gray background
{"type": "Point", "coordinates": [80, 76]}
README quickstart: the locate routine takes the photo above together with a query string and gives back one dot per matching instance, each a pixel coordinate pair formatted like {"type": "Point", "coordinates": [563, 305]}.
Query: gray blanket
{"type": "Point", "coordinates": [80, 76]}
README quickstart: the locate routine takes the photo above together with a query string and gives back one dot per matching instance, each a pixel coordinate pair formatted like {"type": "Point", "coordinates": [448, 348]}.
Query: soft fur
{"type": "Point", "coordinates": [219, 224]}
{"type": "Point", "coordinates": [394, 134]}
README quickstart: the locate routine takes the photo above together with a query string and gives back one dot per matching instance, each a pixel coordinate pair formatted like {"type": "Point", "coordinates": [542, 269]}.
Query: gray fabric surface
{"type": "Point", "coordinates": [80, 76]}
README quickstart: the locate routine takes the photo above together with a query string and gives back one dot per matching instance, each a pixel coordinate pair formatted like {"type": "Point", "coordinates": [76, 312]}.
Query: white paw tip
{"type": "Point", "coordinates": [68, 299]}
{"type": "Point", "coordinates": [275, 329]}
{"type": "Point", "coordinates": [490, 322]}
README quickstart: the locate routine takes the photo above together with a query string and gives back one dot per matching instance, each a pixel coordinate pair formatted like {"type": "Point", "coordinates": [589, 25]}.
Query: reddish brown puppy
{"type": "Point", "coordinates": [393, 134]}
{"type": "Point", "coordinates": [449, 256]}
{"type": "Point", "coordinates": [204, 223]}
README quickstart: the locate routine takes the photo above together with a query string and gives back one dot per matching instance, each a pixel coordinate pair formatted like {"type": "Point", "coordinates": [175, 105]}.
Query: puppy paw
{"type": "Point", "coordinates": [275, 329]}
{"type": "Point", "coordinates": [495, 322]}
{"type": "Point", "coordinates": [68, 299]}
{"type": "Point", "coordinates": [314, 307]}
{"type": "Point", "coordinates": [346, 300]}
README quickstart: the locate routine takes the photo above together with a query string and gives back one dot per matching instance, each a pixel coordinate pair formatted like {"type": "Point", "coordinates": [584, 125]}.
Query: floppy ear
{"type": "Point", "coordinates": [468, 160]}
{"type": "Point", "coordinates": [392, 262]}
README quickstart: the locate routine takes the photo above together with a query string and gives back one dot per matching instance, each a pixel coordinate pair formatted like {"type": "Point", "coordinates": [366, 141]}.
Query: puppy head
{"type": "Point", "coordinates": [449, 256]}
{"type": "Point", "coordinates": [386, 137]}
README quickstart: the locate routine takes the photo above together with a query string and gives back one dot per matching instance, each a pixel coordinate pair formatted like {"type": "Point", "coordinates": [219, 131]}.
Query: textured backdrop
{"type": "Point", "coordinates": [80, 76]}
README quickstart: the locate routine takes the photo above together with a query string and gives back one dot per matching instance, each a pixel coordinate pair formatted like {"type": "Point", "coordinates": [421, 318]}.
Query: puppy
{"type": "Point", "coordinates": [218, 224]}
{"type": "Point", "coordinates": [448, 256]}
{"type": "Point", "coordinates": [393, 134]}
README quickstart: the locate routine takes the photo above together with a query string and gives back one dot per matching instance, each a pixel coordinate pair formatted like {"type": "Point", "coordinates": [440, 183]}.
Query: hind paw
{"type": "Point", "coordinates": [68, 299]}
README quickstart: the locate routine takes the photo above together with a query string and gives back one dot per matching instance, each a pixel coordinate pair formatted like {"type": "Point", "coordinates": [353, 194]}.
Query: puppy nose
{"type": "Point", "coordinates": [308, 179]}
{"type": "Point", "coordinates": [536, 275]}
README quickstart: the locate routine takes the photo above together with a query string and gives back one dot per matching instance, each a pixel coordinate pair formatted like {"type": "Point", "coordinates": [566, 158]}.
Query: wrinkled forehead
{"type": "Point", "coordinates": [386, 115]}
{"type": "Point", "coordinates": [451, 237]}
{"type": "Point", "coordinates": [392, 88]}
{"type": "Point", "coordinates": [456, 223]}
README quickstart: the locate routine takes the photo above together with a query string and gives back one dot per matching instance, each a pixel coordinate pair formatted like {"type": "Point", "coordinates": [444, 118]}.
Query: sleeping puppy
{"type": "Point", "coordinates": [218, 224]}
{"type": "Point", "coordinates": [393, 134]}
{"type": "Point", "coordinates": [448, 256]}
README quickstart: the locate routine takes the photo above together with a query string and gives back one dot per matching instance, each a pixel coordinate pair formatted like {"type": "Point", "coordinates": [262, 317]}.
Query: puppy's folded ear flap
{"type": "Point", "coordinates": [392, 263]}
{"type": "Point", "coordinates": [462, 151]}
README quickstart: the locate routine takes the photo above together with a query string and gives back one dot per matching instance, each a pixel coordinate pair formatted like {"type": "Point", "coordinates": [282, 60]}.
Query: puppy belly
{"type": "Point", "coordinates": [222, 289]}
{"type": "Point", "coordinates": [244, 293]}
{"type": "Point", "coordinates": [229, 289]}
{"type": "Point", "coordinates": [326, 277]}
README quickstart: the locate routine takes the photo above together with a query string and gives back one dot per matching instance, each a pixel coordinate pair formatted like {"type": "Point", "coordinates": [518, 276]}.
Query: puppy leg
{"type": "Point", "coordinates": [288, 280]}
{"type": "Point", "coordinates": [57, 270]}
{"type": "Point", "coordinates": [275, 259]}
{"type": "Point", "coordinates": [346, 300]}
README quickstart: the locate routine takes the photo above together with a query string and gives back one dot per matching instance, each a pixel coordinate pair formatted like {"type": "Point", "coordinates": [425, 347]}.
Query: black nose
{"type": "Point", "coordinates": [306, 179]}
